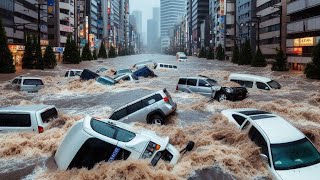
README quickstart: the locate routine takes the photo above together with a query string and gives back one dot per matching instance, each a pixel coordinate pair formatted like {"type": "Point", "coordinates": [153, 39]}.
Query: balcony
{"type": "Point", "coordinates": [311, 24]}
{"type": "Point", "coordinates": [300, 5]}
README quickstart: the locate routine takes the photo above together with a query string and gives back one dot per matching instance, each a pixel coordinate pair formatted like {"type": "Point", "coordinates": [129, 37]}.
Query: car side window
{"type": "Point", "coordinates": [119, 114]}
{"type": "Point", "coordinates": [202, 83]}
{"type": "Point", "coordinates": [192, 82]}
{"type": "Point", "coordinates": [15, 120]}
{"type": "Point", "coordinates": [175, 67]}
{"type": "Point", "coordinates": [124, 135]}
{"type": "Point", "coordinates": [248, 84]}
{"type": "Point", "coordinates": [262, 86]}
{"type": "Point", "coordinates": [239, 119]}
{"type": "Point", "coordinates": [241, 83]}
{"type": "Point", "coordinates": [126, 78]}
{"type": "Point", "coordinates": [170, 66]}
{"type": "Point", "coordinates": [71, 73]}
{"type": "Point", "coordinates": [67, 74]}
{"type": "Point", "coordinates": [15, 81]}
{"type": "Point", "coordinates": [134, 107]}
{"type": "Point", "coordinates": [161, 65]}
{"type": "Point", "coordinates": [246, 125]}
{"type": "Point", "coordinates": [166, 66]}
{"type": "Point", "coordinates": [182, 81]}
{"type": "Point", "coordinates": [258, 139]}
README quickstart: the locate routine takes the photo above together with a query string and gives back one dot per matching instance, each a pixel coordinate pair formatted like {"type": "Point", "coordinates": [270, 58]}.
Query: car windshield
{"type": "Point", "coordinates": [124, 71]}
{"type": "Point", "coordinates": [274, 84]}
{"type": "Point", "coordinates": [106, 80]}
{"type": "Point", "coordinates": [183, 57]}
{"type": "Point", "coordinates": [212, 81]}
{"type": "Point", "coordinates": [294, 155]}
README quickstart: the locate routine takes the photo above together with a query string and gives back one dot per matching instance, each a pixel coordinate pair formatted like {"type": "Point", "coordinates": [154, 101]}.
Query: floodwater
{"type": "Point", "coordinates": [221, 151]}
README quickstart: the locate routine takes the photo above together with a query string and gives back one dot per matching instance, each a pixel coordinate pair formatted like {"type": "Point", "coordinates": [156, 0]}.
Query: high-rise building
{"type": "Point", "coordinates": [151, 29]}
{"type": "Point", "coordinates": [169, 13]}
{"type": "Point", "coordinates": [138, 17]}
{"type": "Point", "coordinates": [156, 17]}
{"type": "Point", "coordinates": [303, 31]}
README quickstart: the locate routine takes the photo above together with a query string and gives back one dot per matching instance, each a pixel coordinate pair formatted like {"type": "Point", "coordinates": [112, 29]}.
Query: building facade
{"type": "Point", "coordinates": [169, 13]}
{"type": "Point", "coordinates": [303, 32]}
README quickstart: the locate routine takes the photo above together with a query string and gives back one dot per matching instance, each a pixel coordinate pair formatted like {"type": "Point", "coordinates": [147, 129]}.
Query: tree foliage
{"type": "Point", "coordinates": [312, 70]}
{"type": "Point", "coordinates": [202, 53]}
{"type": "Point", "coordinates": [112, 52]}
{"type": "Point", "coordinates": [38, 55]}
{"type": "Point", "coordinates": [280, 63]}
{"type": "Point", "coordinates": [86, 53]}
{"type": "Point", "coordinates": [245, 54]}
{"type": "Point", "coordinates": [220, 53]}
{"type": "Point", "coordinates": [210, 53]}
{"type": "Point", "coordinates": [235, 54]}
{"type": "Point", "coordinates": [6, 59]}
{"type": "Point", "coordinates": [259, 60]}
{"type": "Point", "coordinates": [71, 53]}
{"type": "Point", "coordinates": [94, 54]}
{"type": "Point", "coordinates": [49, 58]}
{"type": "Point", "coordinates": [102, 51]}
{"type": "Point", "coordinates": [27, 59]}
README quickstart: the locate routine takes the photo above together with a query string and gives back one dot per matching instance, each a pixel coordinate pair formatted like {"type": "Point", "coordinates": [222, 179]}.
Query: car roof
{"type": "Point", "coordinates": [279, 130]}
{"type": "Point", "coordinates": [250, 76]}
{"type": "Point", "coordinates": [25, 108]}
{"type": "Point", "coordinates": [26, 77]}
{"type": "Point", "coordinates": [204, 78]}
{"type": "Point", "coordinates": [75, 70]}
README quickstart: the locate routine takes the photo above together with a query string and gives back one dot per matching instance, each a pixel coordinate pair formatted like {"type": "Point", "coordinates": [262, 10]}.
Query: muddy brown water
{"type": "Point", "coordinates": [221, 151]}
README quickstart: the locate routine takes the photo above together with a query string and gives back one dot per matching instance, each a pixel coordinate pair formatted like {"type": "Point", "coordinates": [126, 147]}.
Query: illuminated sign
{"type": "Point", "coordinates": [295, 50]}
{"type": "Point", "coordinates": [50, 7]}
{"type": "Point", "coordinates": [296, 42]}
{"type": "Point", "coordinates": [44, 42]}
{"type": "Point", "coordinates": [308, 41]}
{"type": "Point", "coordinates": [222, 6]}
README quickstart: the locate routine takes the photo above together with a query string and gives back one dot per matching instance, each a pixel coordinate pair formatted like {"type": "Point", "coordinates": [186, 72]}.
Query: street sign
{"type": "Point", "coordinates": [50, 7]}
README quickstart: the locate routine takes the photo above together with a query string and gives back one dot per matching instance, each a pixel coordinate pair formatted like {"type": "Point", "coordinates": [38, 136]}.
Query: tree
{"type": "Point", "coordinates": [259, 60]}
{"type": "Point", "coordinates": [86, 53]}
{"type": "Point", "coordinates": [49, 58]}
{"type": "Point", "coordinates": [6, 60]}
{"type": "Point", "coordinates": [210, 54]}
{"type": "Point", "coordinates": [202, 53]}
{"type": "Point", "coordinates": [71, 54]}
{"type": "Point", "coordinates": [27, 59]}
{"type": "Point", "coordinates": [280, 63]}
{"type": "Point", "coordinates": [312, 70]}
{"type": "Point", "coordinates": [102, 51]}
{"type": "Point", "coordinates": [235, 54]}
{"type": "Point", "coordinates": [112, 52]}
{"type": "Point", "coordinates": [220, 53]}
{"type": "Point", "coordinates": [245, 54]}
{"type": "Point", "coordinates": [38, 55]}
{"type": "Point", "coordinates": [94, 54]}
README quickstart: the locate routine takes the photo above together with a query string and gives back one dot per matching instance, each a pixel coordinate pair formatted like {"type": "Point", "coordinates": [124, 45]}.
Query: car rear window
{"type": "Point", "coordinates": [15, 120]}
{"type": "Point", "coordinates": [32, 82]}
{"type": "Point", "coordinates": [182, 81]}
{"type": "Point", "coordinates": [49, 115]}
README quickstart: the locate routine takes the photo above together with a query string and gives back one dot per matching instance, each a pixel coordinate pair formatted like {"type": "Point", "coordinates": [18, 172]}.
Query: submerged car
{"type": "Point", "coordinates": [28, 84]}
{"type": "Point", "coordinates": [144, 72]}
{"type": "Point", "coordinates": [142, 64]}
{"type": "Point", "coordinates": [122, 71]}
{"type": "Point", "coordinates": [92, 140]}
{"type": "Point", "coordinates": [106, 80]}
{"type": "Point", "coordinates": [254, 82]}
{"type": "Point", "coordinates": [73, 73]}
{"type": "Point", "coordinates": [126, 77]}
{"type": "Point", "coordinates": [286, 151]}
{"type": "Point", "coordinates": [101, 70]}
{"type": "Point", "coordinates": [210, 88]}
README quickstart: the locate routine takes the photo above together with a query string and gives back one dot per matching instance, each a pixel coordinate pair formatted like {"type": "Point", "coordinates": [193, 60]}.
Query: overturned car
{"type": "Point", "coordinates": [92, 140]}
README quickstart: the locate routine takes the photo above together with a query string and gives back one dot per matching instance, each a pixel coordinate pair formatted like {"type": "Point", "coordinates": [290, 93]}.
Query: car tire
{"type": "Point", "coordinates": [156, 119]}
{"type": "Point", "coordinates": [221, 97]}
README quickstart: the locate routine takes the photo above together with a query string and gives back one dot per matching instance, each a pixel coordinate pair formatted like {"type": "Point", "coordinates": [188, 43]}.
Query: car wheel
{"type": "Point", "coordinates": [222, 97]}
{"type": "Point", "coordinates": [157, 120]}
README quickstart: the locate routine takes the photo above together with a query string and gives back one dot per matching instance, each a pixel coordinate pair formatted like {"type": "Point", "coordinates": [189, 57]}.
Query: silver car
{"type": "Point", "coordinates": [29, 84]}
{"type": "Point", "coordinates": [151, 109]}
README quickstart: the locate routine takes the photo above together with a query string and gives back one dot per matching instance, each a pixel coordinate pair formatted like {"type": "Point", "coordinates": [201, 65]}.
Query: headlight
{"type": "Point", "coordinates": [229, 90]}
{"type": "Point", "coordinates": [151, 148]}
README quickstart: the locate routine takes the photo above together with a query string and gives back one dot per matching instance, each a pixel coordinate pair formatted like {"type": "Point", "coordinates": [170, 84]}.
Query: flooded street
{"type": "Point", "coordinates": [221, 150]}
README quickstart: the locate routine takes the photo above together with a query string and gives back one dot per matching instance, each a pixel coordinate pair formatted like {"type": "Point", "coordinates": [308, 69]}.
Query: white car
{"type": "Point", "coordinates": [166, 66]}
{"type": "Point", "coordinates": [90, 141]}
{"type": "Point", "coordinates": [287, 152]}
{"type": "Point", "coordinates": [30, 118]}
{"type": "Point", "coordinates": [126, 77]}
{"type": "Point", "coordinates": [28, 84]}
{"type": "Point", "coordinates": [255, 82]}
{"type": "Point", "coordinates": [73, 73]}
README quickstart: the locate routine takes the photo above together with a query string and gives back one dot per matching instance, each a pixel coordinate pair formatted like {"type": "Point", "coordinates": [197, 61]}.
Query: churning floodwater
{"type": "Point", "coordinates": [221, 151]}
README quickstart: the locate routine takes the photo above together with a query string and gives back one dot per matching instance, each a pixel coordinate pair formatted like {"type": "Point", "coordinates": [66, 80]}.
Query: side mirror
{"type": "Point", "coordinates": [264, 158]}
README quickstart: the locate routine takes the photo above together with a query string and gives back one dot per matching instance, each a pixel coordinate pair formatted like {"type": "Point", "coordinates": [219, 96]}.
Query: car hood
{"type": "Point", "coordinates": [310, 173]}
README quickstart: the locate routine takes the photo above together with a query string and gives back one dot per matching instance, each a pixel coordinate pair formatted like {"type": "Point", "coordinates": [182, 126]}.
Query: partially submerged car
{"type": "Point", "coordinates": [210, 87]}
{"type": "Point", "coordinates": [102, 70]}
{"type": "Point", "coordinates": [255, 82]}
{"type": "Point", "coordinates": [88, 75]}
{"type": "Point", "coordinates": [93, 140]}
{"type": "Point", "coordinates": [106, 80]}
{"type": "Point", "coordinates": [122, 71]}
{"type": "Point", "coordinates": [166, 66]}
{"type": "Point", "coordinates": [30, 118]}
{"type": "Point", "coordinates": [142, 64]}
{"type": "Point", "coordinates": [151, 109]}
{"type": "Point", "coordinates": [28, 84]}
{"type": "Point", "coordinates": [73, 73]}
{"type": "Point", "coordinates": [286, 151]}
{"type": "Point", "coordinates": [144, 72]}
{"type": "Point", "coordinates": [126, 77]}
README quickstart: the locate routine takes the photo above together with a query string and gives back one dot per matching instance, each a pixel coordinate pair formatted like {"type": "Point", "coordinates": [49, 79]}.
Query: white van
{"type": "Point", "coordinates": [73, 73]}
{"type": "Point", "coordinates": [165, 66]}
{"type": "Point", "coordinates": [28, 84]}
{"type": "Point", "coordinates": [30, 118]}
{"type": "Point", "coordinates": [255, 82]}
{"type": "Point", "coordinates": [92, 140]}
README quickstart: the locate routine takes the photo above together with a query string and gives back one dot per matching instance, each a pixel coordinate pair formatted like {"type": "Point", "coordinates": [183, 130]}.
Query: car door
{"type": "Point", "coordinates": [204, 88]}
{"type": "Point", "coordinates": [137, 112]}
{"type": "Point", "coordinates": [192, 85]}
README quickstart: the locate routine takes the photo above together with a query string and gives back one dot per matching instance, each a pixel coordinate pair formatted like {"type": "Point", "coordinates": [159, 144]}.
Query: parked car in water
{"type": "Point", "coordinates": [28, 84]}
{"type": "Point", "coordinates": [182, 58]}
{"type": "Point", "coordinates": [286, 151]}
{"type": "Point", "coordinates": [151, 109]}
{"type": "Point", "coordinates": [165, 66]}
{"type": "Point", "coordinates": [126, 77]}
{"type": "Point", "coordinates": [30, 118]}
{"type": "Point", "coordinates": [144, 72]}
{"type": "Point", "coordinates": [142, 64]}
{"type": "Point", "coordinates": [73, 73]}
{"type": "Point", "coordinates": [254, 82]}
{"type": "Point", "coordinates": [210, 87]}
{"type": "Point", "coordinates": [122, 71]}
{"type": "Point", "coordinates": [106, 80]}
{"type": "Point", "coordinates": [93, 140]}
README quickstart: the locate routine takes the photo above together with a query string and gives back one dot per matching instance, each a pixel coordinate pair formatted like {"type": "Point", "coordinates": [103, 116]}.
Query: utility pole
{"type": "Point", "coordinates": [76, 21]}
{"type": "Point", "coordinates": [39, 36]}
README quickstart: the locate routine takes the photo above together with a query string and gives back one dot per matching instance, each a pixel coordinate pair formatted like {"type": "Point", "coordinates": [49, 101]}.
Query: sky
{"type": "Point", "coordinates": [146, 7]}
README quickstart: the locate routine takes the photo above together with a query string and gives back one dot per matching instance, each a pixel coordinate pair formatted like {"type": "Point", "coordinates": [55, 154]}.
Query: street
{"type": "Point", "coordinates": [221, 150]}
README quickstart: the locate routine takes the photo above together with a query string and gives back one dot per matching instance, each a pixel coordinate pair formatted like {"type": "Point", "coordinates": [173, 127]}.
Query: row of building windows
{"type": "Point", "coordinates": [244, 6]}
{"type": "Point", "coordinates": [244, 16]}
{"type": "Point", "coordinates": [268, 4]}
{"type": "Point", "coordinates": [271, 28]}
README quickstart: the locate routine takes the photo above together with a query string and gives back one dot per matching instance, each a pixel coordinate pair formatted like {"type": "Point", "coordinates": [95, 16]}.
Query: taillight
{"type": "Point", "coordinates": [40, 129]}
{"type": "Point", "coordinates": [151, 148]}
{"type": "Point", "coordinates": [166, 99]}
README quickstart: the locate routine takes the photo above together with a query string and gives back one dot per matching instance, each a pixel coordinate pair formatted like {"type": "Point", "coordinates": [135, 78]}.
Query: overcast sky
{"type": "Point", "coordinates": [146, 7]}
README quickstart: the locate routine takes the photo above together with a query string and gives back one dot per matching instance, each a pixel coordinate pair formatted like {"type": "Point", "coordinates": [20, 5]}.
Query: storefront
{"type": "Point", "coordinates": [299, 52]}
{"type": "Point", "coordinates": [17, 53]}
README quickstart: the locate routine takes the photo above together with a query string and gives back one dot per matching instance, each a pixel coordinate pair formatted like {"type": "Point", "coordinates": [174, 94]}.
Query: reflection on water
{"type": "Point", "coordinates": [221, 151]}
